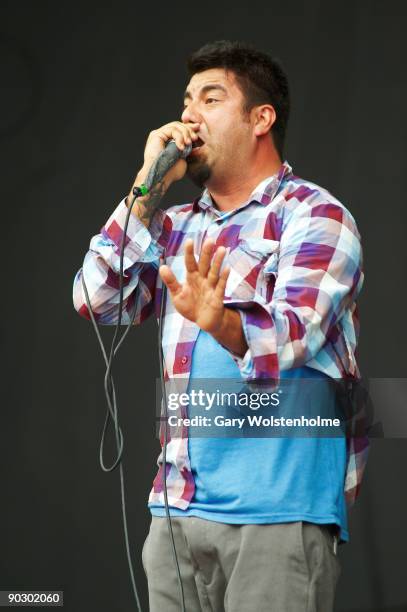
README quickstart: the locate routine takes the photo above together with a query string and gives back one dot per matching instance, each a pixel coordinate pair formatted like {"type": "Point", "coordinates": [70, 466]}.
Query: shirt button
{"type": "Point", "coordinates": [184, 360]}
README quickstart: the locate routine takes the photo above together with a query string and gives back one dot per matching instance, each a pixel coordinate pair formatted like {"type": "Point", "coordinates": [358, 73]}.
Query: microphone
{"type": "Point", "coordinates": [166, 160]}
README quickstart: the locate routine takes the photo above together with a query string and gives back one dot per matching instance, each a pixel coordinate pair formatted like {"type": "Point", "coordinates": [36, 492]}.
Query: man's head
{"type": "Point", "coordinates": [238, 96]}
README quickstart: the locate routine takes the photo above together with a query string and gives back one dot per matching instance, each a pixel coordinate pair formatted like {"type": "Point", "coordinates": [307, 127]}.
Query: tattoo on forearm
{"type": "Point", "coordinates": [150, 202]}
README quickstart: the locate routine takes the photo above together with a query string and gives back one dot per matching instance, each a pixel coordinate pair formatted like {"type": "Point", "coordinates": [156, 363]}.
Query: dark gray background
{"type": "Point", "coordinates": [83, 84]}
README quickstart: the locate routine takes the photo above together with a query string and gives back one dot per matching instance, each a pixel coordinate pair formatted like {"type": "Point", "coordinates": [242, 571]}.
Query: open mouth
{"type": "Point", "coordinates": [198, 144]}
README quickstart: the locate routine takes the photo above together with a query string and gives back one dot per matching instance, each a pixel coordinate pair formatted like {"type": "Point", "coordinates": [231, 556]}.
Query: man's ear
{"type": "Point", "coordinates": [264, 118]}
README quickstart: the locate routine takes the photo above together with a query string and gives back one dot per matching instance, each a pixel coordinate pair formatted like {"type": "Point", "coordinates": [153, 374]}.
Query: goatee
{"type": "Point", "coordinates": [199, 173]}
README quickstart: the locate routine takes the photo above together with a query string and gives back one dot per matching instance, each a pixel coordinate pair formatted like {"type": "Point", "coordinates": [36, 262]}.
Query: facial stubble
{"type": "Point", "coordinates": [198, 171]}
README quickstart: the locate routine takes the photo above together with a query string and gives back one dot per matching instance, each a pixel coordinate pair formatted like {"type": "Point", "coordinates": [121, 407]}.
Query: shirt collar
{"type": "Point", "coordinates": [263, 193]}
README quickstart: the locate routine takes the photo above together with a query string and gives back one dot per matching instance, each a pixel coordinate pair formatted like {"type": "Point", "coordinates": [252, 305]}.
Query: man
{"type": "Point", "coordinates": [263, 271]}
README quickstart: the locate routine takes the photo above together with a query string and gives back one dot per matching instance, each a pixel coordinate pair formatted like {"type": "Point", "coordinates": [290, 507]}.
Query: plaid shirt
{"type": "Point", "coordinates": [296, 271]}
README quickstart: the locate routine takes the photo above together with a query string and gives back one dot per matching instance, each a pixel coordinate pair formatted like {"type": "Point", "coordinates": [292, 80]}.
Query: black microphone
{"type": "Point", "coordinates": [166, 160]}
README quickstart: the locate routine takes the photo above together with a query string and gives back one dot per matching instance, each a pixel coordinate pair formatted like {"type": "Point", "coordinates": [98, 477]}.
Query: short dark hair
{"type": "Point", "coordinates": [261, 78]}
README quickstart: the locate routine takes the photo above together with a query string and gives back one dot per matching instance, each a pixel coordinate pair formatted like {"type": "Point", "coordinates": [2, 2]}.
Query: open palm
{"type": "Point", "coordinates": [200, 297]}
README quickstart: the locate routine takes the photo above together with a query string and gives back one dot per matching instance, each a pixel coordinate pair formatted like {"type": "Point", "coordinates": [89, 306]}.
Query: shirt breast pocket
{"type": "Point", "coordinates": [253, 269]}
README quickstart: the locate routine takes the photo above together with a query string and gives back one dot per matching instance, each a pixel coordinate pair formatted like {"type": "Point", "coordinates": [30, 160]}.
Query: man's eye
{"type": "Point", "coordinates": [209, 100]}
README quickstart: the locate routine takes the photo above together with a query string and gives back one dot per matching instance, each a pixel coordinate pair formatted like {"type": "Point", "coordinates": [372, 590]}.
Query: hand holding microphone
{"type": "Point", "coordinates": [183, 134]}
{"type": "Point", "coordinates": [164, 163]}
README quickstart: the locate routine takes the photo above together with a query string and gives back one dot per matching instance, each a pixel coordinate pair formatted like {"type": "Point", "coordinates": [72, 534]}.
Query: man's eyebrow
{"type": "Point", "coordinates": [205, 89]}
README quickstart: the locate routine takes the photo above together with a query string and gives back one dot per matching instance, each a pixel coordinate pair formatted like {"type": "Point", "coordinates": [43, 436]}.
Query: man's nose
{"type": "Point", "coordinates": [190, 114]}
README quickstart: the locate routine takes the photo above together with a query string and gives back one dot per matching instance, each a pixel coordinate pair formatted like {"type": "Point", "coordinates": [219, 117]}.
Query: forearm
{"type": "Point", "coordinates": [145, 207]}
{"type": "Point", "coordinates": [101, 267]}
{"type": "Point", "coordinates": [230, 333]}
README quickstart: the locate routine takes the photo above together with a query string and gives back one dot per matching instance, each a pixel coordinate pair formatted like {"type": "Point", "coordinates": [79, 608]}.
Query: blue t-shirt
{"type": "Point", "coordinates": [262, 480]}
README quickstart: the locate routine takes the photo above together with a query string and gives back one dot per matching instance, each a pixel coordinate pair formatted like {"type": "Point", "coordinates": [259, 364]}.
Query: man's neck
{"type": "Point", "coordinates": [235, 191]}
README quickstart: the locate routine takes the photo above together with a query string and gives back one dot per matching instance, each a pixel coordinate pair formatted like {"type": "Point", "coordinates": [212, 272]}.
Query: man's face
{"type": "Point", "coordinates": [214, 99]}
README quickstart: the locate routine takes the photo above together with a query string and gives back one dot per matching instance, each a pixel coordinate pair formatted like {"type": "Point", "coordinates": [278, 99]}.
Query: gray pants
{"type": "Point", "coordinates": [282, 567]}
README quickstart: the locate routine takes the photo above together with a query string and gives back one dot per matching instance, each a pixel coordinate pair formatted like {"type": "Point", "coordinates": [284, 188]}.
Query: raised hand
{"type": "Point", "coordinates": [200, 297]}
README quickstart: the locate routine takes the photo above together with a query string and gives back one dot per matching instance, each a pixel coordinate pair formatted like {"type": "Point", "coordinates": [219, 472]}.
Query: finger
{"type": "Point", "coordinates": [205, 257]}
{"type": "Point", "coordinates": [188, 129]}
{"type": "Point", "coordinates": [169, 279]}
{"type": "Point", "coordinates": [192, 129]}
{"type": "Point", "coordinates": [190, 261]}
{"type": "Point", "coordinates": [182, 133]}
{"type": "Point", "coordinates": [221, 286]}
{"type": "Point", "coordinates": [166, 133]}
{"type": "Point", "coordinates": [181, 137]}
{"type": "Point", "coordinates": [213, 275]}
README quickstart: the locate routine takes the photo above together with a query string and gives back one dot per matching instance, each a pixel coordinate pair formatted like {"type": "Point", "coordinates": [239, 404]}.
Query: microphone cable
{"type": "Point", "coordinates": [164, 461]}
{"type": "Point", "coordinates": [112, 412]}
{"type": "Point", "coordinates": [111, 398]}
